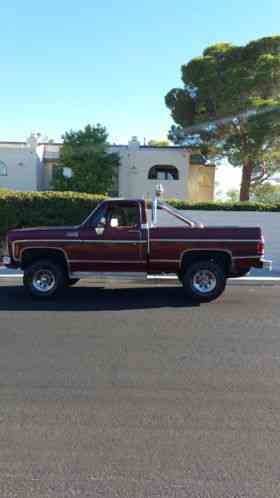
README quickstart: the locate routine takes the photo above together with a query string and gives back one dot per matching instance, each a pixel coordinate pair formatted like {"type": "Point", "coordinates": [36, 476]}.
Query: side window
{"type": "Point", "coordinates": [122, 216]}
{"type": "Point", "coordinates": [117, 216]}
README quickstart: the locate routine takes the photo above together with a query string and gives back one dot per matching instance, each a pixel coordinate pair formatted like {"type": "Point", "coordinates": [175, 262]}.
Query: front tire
{"type": "Point", "coordinates": [44, 279]}
{"type": "Point", "coordinates": [204, 281]}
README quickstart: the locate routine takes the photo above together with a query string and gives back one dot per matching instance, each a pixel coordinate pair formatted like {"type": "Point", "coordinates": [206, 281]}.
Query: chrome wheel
{"type": "Point", "coordinates": [204, 281]}
{"type": "Point", "coordinates": [43, 281]}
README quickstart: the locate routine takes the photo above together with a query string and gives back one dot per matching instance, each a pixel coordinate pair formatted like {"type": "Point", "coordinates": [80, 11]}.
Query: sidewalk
{"type": "Point", "coordinates": [255, 277]}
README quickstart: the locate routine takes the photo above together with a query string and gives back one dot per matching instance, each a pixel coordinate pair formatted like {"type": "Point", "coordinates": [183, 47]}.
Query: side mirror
{"type": "Point", "coordinates": [114, 223]}
{"type": "Point", "coordinates": [101, 223]}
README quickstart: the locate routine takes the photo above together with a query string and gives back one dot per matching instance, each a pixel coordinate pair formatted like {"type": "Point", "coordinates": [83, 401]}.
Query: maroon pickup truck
{"type": "Point", "coordinates": [118, 239]}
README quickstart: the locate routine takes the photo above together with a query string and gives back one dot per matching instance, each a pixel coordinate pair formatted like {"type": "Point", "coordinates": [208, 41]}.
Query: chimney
{"type": "Point", "coordinates": [133, 144]}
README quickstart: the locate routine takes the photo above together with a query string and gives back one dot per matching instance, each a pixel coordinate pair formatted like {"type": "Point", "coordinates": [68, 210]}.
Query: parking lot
{"type": "Point", "coordinates": [135, 392]}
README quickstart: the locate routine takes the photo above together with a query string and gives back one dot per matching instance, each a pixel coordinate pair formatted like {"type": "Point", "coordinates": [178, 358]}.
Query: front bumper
{"type": "Point", "coordinates": [266, 264]}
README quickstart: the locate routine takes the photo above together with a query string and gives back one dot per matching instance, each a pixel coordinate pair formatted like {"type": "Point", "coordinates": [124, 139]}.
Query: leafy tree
{"type": "Point", "coordinates": [232, 195]}
{"type": "Point", "coordinates": [159, 143]}
{"type": "Point", "coordinates": [229, 108]}
{"type": "Point", "coordinates": [268, 192]}
{"type": "Point", "coordinates": [85, 154]}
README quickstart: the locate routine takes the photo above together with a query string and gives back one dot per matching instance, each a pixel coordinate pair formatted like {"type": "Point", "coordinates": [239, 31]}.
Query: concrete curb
{"type": "Point", "coordinates": [254, 281]}
{"type": "Point", "coordinates": [11, 276]}
{"type": "Point", "coordinates": [231, 281]}
{"type": "Point", "coordinates": [172, 279]}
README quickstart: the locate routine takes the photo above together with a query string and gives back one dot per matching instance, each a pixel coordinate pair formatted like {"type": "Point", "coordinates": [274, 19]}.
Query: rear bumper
{"type": "Point", "coordinates": [243, 266]}
{"type": "Point", "coordinates": [266, 264]}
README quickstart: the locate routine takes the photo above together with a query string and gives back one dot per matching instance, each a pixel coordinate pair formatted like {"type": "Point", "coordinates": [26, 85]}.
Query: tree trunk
{"type": "Point", "coordinates": [246, 181]}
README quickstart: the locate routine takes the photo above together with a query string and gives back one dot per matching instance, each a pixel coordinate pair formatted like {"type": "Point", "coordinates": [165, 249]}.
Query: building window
{"type": "Point", "coordinates": [3, 169]}
{"type": "Point", "coordinates": [163, 172]}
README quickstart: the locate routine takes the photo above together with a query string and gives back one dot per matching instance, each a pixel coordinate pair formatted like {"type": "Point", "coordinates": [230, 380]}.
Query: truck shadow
{"type": "Point", "coordinates": [14, 298]}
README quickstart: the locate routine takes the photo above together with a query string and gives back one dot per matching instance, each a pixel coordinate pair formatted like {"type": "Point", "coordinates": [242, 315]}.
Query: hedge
{"type": "Point", "coordinates": [225, 206]}
{"type": "Point", "coordinates": [19, 210]}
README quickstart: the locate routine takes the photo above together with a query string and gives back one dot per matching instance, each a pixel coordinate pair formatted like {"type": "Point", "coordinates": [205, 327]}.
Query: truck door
{"type": "Point", "coordinates": [113, 241]}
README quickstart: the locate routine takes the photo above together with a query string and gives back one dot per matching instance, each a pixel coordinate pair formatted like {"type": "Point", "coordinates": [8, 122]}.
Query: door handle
{"type": "Point", "coordinates": [99, 230]}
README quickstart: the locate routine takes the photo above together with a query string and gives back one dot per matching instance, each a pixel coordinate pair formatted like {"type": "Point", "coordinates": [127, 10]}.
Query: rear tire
{"type": "Point", "coordinates": [44, 279]}
{"type": "Point", "coordinates": [204, 281]}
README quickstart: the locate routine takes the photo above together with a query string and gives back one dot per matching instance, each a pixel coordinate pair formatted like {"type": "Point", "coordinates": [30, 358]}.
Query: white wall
{"type": "Point", "coordinates": [22, 165]}
{"type": "Point", "coordinates": [269, 222]}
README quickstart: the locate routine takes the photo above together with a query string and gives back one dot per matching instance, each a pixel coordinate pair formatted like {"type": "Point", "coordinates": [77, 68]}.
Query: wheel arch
{"type": "Point", "coordinates": [32, 254]}
{"type": "Point", "coordinates": [190, 256]}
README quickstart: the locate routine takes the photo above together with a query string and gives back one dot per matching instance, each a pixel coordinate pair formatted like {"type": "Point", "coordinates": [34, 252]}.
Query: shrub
{"type": "Point", "coordinates": [18, 210]}
{"type": "Point", "coordinates": [225, 206]}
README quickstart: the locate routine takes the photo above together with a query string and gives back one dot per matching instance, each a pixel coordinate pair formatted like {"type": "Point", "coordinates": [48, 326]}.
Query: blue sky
{"type": "Point", "coordinates": [65, 64]}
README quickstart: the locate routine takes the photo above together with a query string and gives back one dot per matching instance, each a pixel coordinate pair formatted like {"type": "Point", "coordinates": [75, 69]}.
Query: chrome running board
{"type": "Point", "coordinates": [100, 277]}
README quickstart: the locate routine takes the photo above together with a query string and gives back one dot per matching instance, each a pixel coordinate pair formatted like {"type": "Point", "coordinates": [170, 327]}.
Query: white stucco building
{"type": "Point", "coordinates": [20, 166]}
{"type": "Point", "coordinates": [28, 166]}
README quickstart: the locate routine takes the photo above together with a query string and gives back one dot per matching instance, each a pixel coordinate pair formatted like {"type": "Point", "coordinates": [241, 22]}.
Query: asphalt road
{"type": "Point", "coordinates": [134, 392]}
